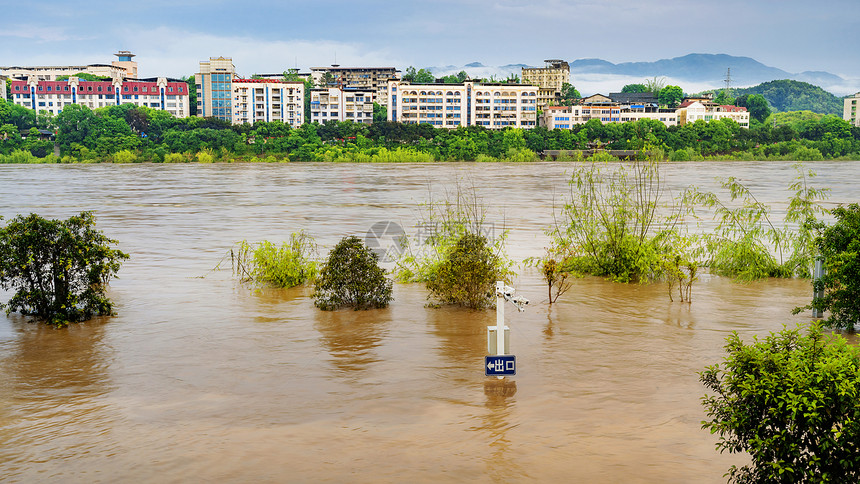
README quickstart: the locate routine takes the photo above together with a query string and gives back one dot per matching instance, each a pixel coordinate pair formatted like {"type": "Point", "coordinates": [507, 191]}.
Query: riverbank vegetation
{"type": "Point", "coordinates": [264, 262]}
{"type": "Point", "coordinates": [129, 134]}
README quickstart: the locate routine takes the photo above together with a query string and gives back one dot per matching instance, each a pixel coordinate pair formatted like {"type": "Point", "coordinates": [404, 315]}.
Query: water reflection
{"type": "Point", "coordinates": [351, 337]}
{"type": "Point", "coordinates": [52, 384]}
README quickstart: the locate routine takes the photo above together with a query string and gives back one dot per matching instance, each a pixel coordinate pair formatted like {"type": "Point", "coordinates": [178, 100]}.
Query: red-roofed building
{"type": "Point", "coordinates": [53, 96]}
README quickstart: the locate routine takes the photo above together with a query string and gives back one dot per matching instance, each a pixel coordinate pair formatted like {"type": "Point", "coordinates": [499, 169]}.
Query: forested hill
{"type": "Point", "coordinates": [788, 95]}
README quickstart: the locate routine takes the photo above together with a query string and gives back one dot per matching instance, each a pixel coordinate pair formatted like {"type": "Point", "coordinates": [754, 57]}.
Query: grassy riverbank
{"type": "Point", "coordinates": [129, 134]}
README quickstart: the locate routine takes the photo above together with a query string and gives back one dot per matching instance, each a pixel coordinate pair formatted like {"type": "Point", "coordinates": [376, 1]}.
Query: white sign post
{"type": "Point", "coordinates": [500, 363]}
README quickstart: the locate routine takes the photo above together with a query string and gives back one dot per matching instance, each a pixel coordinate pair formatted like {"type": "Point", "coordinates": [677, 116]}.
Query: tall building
{"type": "Point", "coordinates": [549, 80]}
{"type": "Point", "coordinates": [375, 78]}
{"type": "Point", "coordinates": [342, 104]}
{"type": "Point", "coordinates": [267, 100]}
{"type": "Point", "coordinates": [121, 69]}
{"type": "Point", "coordinates": [492, 105]}
{"type": "Point", "coordinates": [214, 85]}
{"type": "Point", "coordinates": [124, 60]}
{"type": "Point", "coordinates": [3, 87]}
{"type": "Point", "coordinates": [52, 96]}
{"type": "Point", "coordinates": [849, 113]}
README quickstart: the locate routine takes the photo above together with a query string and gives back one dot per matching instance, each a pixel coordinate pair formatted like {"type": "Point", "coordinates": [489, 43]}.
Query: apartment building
{"type": "Point", "coordinates": [492, 105]}
{"type": "Point", "coordinates": [566, 117]}
{"type": "Point", "coordinates": [342, 104]}
{"type": "Point", "coordinates": [607, 111]}
{"type": "Point", "coordinates": [223, 95]}
{"type": "Point", "coordinates": [3, 87]}
{"type": "Point", "coordinates": [375, 78]}
{"type": "Point", "coordinates": [849, 112]}
{"type": "Point", "coordinates": [692, 111]}
{"type": "Point", "coordinates": [122, 68]}
{"type": "Point", "coordinates": [169, 95]}
{"type": "Point", "coordinates": [267, 100]}
{"type": "Point", "coordinates": [549, 80]}
{"type": "Point", "coordinates": [214, 83]}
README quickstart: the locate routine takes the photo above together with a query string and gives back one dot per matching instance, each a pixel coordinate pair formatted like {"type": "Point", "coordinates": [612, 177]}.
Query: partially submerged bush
{"type": "Point", "coordinates": [351, 277]}
{"type": "Point", "coordinates": [468, 274]}
{"type": "Point", "coordinates": [289, 265]}
{"type": "Point", "coordinates": [58, 268]}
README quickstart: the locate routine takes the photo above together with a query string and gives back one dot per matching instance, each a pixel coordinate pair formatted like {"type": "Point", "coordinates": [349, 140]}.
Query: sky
{"type": "Point", "coordinates": [170, 38]}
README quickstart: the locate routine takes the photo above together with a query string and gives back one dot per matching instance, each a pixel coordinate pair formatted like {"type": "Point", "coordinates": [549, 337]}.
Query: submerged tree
{"type": "Point", "coordinates": [58, 268]}
{"type": "Point", "coordinates": [351, 277]}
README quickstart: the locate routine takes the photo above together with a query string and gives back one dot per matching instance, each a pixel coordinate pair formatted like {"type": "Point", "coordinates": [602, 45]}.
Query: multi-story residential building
{"type": "Point", "coordinates": [214, 85]}
{"type": "Point", "coordinates": [692, 111]}
{"type": "Point", "coordinates": [267, 100]}
{"type": "Point", "coordinates": [849, 113]}
{"type": "Point", "coordinates": [549, 80]}
{"type": "Point", "coordinates": [221, 94]}
{"type": "Point", "coordinates": [169, 95]}
{"type": "Point", "coordinates": [492, 105]}
{"type": "Point", "coordinates": [375, 78]}
{"type": "Point", "coordinates": [122, 68]}
{"type": "Point", "coordinates": [3, 87]}
{"type": "Point", "coordinates": [566, 117]}
{"type": "Point", "coordinates": [337, 104]}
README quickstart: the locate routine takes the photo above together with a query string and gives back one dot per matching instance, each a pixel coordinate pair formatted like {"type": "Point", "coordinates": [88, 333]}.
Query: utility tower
{"type": "Point", "coordinates": [728, 81]}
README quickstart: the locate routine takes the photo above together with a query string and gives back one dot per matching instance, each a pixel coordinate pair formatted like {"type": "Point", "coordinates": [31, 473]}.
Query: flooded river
{"type": "Point", "coordinates": [201, 379]}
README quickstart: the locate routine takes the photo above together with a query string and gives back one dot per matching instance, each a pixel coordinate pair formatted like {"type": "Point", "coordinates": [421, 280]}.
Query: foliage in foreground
{"type": "Point", "coordinates": [839, 246]}
{"type": "Point", "coordinates": [351, 277]}
{"type": "Point", "coordinates": [57, 268]}
{"type": "Point", "coordinates": [792, 402]}
{"type": "Point", "coordinates": [289, 265]}
{"type": "Point", "coordinates": [468, 274]}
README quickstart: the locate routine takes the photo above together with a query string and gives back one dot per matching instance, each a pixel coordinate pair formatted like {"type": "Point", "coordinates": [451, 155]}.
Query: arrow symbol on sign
{"type": "Point", "coordinates": [489, 366]}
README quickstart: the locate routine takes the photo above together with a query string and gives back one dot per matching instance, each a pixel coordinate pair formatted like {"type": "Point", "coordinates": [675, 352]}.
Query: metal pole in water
{"type": "Point", "coordinates": [500, 320]}
{"type": "Point", "coordinates": [817, 274]}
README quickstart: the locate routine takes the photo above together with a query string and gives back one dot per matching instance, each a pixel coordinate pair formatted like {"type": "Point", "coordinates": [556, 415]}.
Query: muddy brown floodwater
{"type": "Point", "coordinates": [200, 379]}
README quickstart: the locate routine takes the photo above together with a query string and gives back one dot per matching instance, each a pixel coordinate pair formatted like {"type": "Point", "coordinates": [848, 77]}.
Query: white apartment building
{"type": "Point", "coordinates": [549, 80]}
{"type": "Point", "coordinates": [337, 104]}
{"type": "Point", "coordinates": [849, 113]}
{"type": "Point", "coordinates": [692, 111]}
{"type": "Point", "coordinates": [122, 68]}
{"type": "Point", "coordinates": [3, 87]}
{"type": "Point", "coordinates": [267, 100]}
{"type": "Point", "coordinates": [52, 96]}
{"type": "Point", "coordinates": [566, 117]}
{"type": "Point", "coordinates": [491, 105]}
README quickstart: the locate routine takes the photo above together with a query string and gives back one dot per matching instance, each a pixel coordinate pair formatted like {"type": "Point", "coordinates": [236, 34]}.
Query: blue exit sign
{"type": "Point", "coordinates": [500, 365]}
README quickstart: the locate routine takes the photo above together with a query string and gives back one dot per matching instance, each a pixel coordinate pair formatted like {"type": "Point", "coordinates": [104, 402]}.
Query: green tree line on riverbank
{"type": "Point", "coordinates": [128, 133]}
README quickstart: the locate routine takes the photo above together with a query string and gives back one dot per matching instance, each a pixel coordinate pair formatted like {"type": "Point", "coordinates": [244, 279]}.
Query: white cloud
{"type": "Point", "coordinates": [171, 52]}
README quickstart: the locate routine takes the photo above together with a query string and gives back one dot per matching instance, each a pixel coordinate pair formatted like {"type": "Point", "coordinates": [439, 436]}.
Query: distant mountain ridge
{"type": "Point", "coordinates": [745, 71]}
